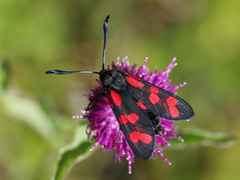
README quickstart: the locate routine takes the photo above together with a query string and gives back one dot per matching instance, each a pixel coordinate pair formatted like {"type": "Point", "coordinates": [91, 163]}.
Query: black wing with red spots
{"type": "Point", "coordinates": [134, 123]}
{"type": "Point", "coordinates": [158, 101]}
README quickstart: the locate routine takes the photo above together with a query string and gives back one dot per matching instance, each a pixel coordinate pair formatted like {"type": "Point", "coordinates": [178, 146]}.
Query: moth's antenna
{"type": "Point", "coordinates": [105, 24]}
{"type": "Point", "coordinates": [69, 72]}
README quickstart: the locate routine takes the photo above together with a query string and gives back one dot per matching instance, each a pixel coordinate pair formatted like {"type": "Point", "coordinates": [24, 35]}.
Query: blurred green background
{"type": "Point", "coordinates": [36, 109]}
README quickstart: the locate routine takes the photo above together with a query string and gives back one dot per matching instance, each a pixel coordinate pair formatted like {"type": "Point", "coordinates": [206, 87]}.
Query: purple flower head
{"type": "Point", "coordinates": [103, 125]}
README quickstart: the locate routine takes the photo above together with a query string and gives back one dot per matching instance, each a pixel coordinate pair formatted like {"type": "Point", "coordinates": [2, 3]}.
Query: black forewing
{"type": "Point", "coordinates": [143, 125]}
{"type": "Point", "coordinates": [161, 108]}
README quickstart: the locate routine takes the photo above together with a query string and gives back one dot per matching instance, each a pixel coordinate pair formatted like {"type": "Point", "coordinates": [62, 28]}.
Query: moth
{"type": "Point", "coordinates": [137, 105]}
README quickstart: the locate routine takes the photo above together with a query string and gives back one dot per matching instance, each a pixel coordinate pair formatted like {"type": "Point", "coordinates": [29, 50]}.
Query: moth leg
{"type": "Point", "coordinates": [94, 101]}
{"type": "Point", "coordinates": [119, 135]}
{"type": "Point", "coordinates": [156, 123]}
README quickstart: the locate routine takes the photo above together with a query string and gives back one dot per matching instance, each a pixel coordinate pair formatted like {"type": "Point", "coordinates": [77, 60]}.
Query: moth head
{"type": "Point", "coordinates": [113, 79]}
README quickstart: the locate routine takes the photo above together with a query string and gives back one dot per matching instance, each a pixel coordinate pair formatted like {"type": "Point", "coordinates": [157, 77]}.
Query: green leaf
{"type": "Point", "coordinates": [24, 109]}
{"type": "Point", "coordinates": [197, 137]}
{"type": "Point", "coordinates": [29, 111]}
{"type": "Point", "coordinates": [72, 154]}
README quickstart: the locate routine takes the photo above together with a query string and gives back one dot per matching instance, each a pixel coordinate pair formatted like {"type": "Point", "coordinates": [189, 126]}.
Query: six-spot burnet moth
{"type": "Point", "coordinates": [137, 105]}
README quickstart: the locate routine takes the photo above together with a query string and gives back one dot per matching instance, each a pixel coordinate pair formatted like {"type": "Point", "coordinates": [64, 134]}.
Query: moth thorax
{"type": "Point", "coordinates": [113, 79]}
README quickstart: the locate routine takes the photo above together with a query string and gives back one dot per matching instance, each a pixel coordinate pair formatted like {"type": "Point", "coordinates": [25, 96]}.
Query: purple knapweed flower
{"type": "Point", "coordinates": [104, 127]}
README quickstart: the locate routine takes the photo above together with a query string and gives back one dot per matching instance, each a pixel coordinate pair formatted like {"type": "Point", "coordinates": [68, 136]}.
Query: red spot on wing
{"type": "Point", "coordinates": [116, 98]}
{"type": "Point", "coordinates": [154, 89]}
{"type": "Point", "coordinates": [134, 82]}
{"type": "Point", "coordinates": [153, 98]}
{"type": "Point", "coordinates": [137, 136]}
{"type": "Point", "coordinates": [109, 99]}
{"type": "Point", "coordinates": [141, 105]}
{"type": "Point", "coordinates": [123, 120]}
{"type": "Point", "coordinates": [132, 118]}
{"type": "Point", "coordinates": [172, 102]}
